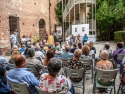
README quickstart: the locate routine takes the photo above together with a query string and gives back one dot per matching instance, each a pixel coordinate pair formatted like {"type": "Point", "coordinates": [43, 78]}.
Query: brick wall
{"type": "Point", "coordinates": [29, 13]}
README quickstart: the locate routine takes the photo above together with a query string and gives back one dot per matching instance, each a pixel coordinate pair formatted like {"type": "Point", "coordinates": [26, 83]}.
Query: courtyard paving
{"type": "Point", "coordinates": [88, 83]}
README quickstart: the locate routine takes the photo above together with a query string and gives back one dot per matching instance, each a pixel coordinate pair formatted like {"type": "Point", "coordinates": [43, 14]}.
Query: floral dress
{"type": "Point", "coordinates": [60, 84]}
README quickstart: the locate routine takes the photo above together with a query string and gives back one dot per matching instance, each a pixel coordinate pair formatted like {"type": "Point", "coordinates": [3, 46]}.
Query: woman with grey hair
{"type": "Point", "coordinates": [52, 81]}
{"type": "Point", "coordinates": [104, 64]}
{"type": "Point", "coordinates": [75, 63]}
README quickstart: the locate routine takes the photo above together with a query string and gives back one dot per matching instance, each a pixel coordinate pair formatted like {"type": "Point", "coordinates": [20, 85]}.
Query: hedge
{"type": "Point", "coordinates": [119, 36]}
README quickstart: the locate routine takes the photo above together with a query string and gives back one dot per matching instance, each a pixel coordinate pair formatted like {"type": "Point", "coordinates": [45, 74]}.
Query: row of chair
{"type": "Point", "coordinates": [23, 88]}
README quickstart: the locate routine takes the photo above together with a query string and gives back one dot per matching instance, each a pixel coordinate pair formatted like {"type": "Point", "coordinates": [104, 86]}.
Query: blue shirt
{"type": "Point", "coordinates": [85, 38]}
{"type": "Point", "coordinates": [21, 75]}
{"type": "Point", "coordinates": [3, 61]}
{"type": "Point", "coordinates": [67, 55]}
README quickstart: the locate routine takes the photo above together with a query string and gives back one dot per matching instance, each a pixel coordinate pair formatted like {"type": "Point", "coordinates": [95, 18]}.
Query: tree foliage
{"type": "Point", "coordinates": [110, 17]}
{"type": "Point", "coordinates": [58, 11]}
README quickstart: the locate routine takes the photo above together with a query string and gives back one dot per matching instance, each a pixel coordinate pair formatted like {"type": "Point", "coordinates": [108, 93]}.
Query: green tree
{"type": "Point", "coordinates": [110, 16]}
{"type": "Point", "coordinates": [58, 11]}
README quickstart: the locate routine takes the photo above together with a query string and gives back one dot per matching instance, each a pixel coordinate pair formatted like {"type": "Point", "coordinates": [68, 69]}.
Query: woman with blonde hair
{"type": "Point", "coordinates": [92, 48]}
{"type": "Point", "coordinates": [14, 54]}
{"type": "Point", "coordinates": [86, 52]}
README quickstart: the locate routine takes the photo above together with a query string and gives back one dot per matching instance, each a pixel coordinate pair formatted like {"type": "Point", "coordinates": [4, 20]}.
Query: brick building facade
{"type": "Point", "coordinates": [28, 16]}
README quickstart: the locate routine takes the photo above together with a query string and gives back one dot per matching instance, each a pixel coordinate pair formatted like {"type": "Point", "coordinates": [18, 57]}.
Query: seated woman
{"type": "Point", "coordinates": [53, 82]}
{"type": "Point", "coordinates": [3, 82]}
{"type": "Point", "coordinates": [104, 64]}
{"type": "Point", "coordinates": [49, 55]}
{"type": "Point", "coordinates": [75, 63]}
{"type": "Point", "coordinates": [14, 54]}
{"type": "Point", "coordinates": [86, 52]}
{"type": "Point", "coordinates": [92, 48]}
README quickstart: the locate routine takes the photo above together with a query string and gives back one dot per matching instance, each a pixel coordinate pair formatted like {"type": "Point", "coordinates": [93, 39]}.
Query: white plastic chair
{"type": "Point", "coordinates": [80, 73]}
{"type": "Point", "coordinates": [20, 88]}
{"type": "Point", "coordinates": [105, 74]}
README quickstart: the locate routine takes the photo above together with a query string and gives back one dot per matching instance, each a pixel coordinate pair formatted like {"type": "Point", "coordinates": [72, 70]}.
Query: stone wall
{"type": "Point", "coordinates": [29, 13]}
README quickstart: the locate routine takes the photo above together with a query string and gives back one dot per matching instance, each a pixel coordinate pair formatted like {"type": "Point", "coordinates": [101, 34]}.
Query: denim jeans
{"type": "Point", "coordinates": [121, 65]}
{"type": "Point", "coordinates": [72, 90]}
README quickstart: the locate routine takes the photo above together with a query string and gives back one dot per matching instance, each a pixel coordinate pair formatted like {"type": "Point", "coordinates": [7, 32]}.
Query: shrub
{"type": "Point", "coordinates": [119, 36]}
{"type": "Point", "coordinates": [36, 38]}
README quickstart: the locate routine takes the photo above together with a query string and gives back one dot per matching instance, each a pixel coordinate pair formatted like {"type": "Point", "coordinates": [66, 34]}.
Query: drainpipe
{"type": "Point", "coordinates": [49, 17]}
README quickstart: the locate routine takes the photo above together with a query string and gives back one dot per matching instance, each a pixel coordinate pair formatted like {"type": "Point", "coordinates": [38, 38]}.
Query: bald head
{"type": "Point", "coordinates": [37, 48]}
{"type": "Point", "coordinates": [67, 48]}
{"type": "Point", "coordinates": [19, 60]}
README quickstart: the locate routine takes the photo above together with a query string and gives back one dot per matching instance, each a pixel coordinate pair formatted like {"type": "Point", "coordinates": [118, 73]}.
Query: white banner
{"type": "Point", "coordinates": [81, 29]}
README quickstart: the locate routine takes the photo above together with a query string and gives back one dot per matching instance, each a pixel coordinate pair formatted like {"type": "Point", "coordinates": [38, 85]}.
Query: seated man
{"type": "Point", "coordinates": [4, 63]}
{"type": "Point", "coordinates": [119, 50]}
{"type": "Point", "coordinates": [67, 54]}
{"type": "Point", "coordinates": [21, 75]}
{"type": "Point", "coordinates": [74, 48]}
{"type": "Point", "coordinates": [31, 59]}
{"type": "Point", "coordinates": [38, 53]}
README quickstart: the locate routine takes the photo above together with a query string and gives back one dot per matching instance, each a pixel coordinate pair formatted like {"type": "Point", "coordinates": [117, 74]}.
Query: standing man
{"type": "Point", "coordinates": [46, 36]}
{"type": "Point", "coordinates": [72, 40]}
{"type": "Point", "coordinates": [85, 39]}
{"type": "Point", "coordinates": [13, 39]}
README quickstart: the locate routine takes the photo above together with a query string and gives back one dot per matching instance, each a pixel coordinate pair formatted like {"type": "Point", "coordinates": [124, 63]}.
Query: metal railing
{"type": "Point", "coordinates": [71, 3]}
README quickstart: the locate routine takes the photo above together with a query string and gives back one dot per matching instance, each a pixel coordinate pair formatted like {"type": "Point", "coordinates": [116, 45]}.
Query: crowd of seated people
{"type": "Point", "coordinates": [54, 64]}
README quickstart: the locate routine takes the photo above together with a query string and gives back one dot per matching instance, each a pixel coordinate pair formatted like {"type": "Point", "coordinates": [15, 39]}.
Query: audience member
{"type": "Point", "coordinates": [49, 55]}
{"type": "Point", "coordinates": [75, 63]}
{"type": "Point", "coordinates": [23, 40]}
{"type": "Point", "coordinates": [104, 64]}
{"type": "Point", "coordinates": [74, 48]}
{"type": "Point", "coordinates": [58, 50]}
{"type": "Point", "coordinates": [86, 52]}
{"type": "Point", "coordinates": [67, 53]}
{"type": "Point", "coordinates": [4, 63]}
{"type": "Point", "coordinates": [22, 49]}
{"type": "Point", "coordinates": [67, 40]}
{"type": "Point", "coordinates": [123, 45]}
{"type": "Point", "coordinates": [31, 59]}
{"type": "Point", "coordinates": [3, 82]}
{"type": "Point", "coordinates": [92, 48]}
{"type": "Point", "coordinates": [38, 53]}
{"type": "Point", "coordinates": [119, 50]}
{"type": "Point", "coordinates": [72, 39]}
{"type": "Point", "coordinates": [60, 39]}
{"type": "Point", "coordinates": [14, 54]}
{"type": "Point", "coordinates": [25, 53]}
{"type": "Point", "coordinates": [53, 82]}
{"type": "Point", "coordinates": [80, 45]}
{"type": "Point", "coordinates": [21, 75]}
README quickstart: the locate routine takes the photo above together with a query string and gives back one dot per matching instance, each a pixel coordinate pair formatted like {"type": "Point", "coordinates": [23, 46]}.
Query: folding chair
{"type": "Point", "coordinates": [12, 66]}
{"type": "Point", "coordinates": [88, 63]}
{"type": "Point", "coordinates": [38, 58]}
{"type": "Point", "coordinates": [20, 88]}
{"type": "Point", "coordinates": [122, 84]}
{"type": "Point", "coordinates": [44, 69]}
{"type": "Point", "coordinates": [64, 61]}
{"type": "Point", "coordinates": [105, 74]}
{"type": "Point", "coordinates": [73, 73]}
{"type": "Point", "coordinates": [120, 56]}
{"type": "Point", "coordinates": [33, 68]}
{"type": "Point", "coordinates": [42, 92]}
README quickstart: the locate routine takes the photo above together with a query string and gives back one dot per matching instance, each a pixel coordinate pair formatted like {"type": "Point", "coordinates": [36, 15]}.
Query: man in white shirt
{"type": "Point", "coordinates": [38, 53]}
